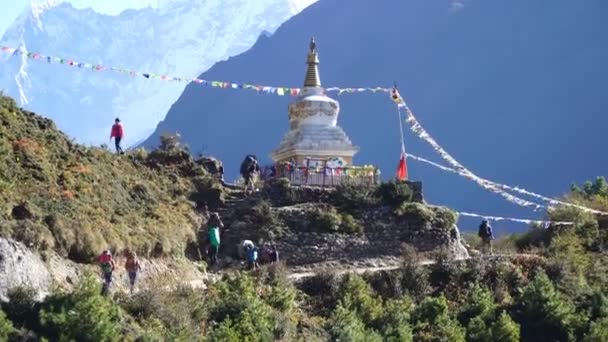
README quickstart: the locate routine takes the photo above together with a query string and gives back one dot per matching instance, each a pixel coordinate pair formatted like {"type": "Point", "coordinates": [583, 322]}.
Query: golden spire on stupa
{"type": "Point", "coordinates": [312, 72]}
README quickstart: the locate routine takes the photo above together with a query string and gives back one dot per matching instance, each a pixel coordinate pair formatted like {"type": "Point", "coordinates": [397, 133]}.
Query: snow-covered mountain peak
{"type": "Point", "coordinates": [181, 38]}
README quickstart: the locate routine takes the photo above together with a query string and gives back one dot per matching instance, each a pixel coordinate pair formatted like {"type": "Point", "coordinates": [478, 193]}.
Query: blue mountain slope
{"type": "Point", "coordinates": [515, 90]}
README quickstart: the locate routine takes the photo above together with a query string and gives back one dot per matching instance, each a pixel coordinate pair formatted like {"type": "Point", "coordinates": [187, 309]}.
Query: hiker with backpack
{"type": "Point", "coordinates": [117, 133]}
{"type": "Point", "coordinates": [274, 254]}
{"type": "Point", "coordinates": [132, 266]}
{"type": "Point", "coordinates": [106, 262]}
{"type": "Point", "coordinates": [213, 232]}
{"type": "Point", "coordinates": [249, 169]}
{"type": "Point", "coordinates": [486, 235]}
{"type": "Point", "coordinates": [252, 258]}
{"type": "Point", "coordinates": [243, 247]}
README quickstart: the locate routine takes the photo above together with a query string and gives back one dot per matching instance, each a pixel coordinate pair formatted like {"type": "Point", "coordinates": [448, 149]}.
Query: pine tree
{"type": "Point", "coordinates": [395, 321]}
{"type": "Point", "coordinates": [598, 331]}
{"type": "Point", "coordinates": [345, 325]}
{"type": "Point", "coordinates": [542, 308]}
{"type": "Point", "coordinates": [432, 322]}
{"type": "Point", "coordinates": [478, 331]}
{"type": "Point", "coordinates": [505, 329]}
{"type": "Point", "coordinates": [478, 303]}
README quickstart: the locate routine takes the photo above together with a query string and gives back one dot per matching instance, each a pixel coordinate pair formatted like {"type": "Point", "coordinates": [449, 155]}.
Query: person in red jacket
{"type": "Point", "coordinates": [117, 133]}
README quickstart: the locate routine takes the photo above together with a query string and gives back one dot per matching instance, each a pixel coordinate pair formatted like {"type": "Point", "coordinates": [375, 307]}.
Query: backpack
{"type": "Point", "coordinates": [106, 267]}
{"type": "Point", "coordinates": [252, 254]}
{"type": "Point", "coordinates": [483, 230]}
{"type": "Point", "coordinates": [214, 236]}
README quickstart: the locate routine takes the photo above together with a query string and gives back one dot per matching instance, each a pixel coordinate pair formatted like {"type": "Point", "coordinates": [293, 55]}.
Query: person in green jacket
{"type": "Point", "coordinates": [213, 230]}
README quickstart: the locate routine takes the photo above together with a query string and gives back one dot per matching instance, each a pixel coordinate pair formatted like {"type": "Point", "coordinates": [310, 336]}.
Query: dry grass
{"type": "Point", "coordinates": [82, 200]}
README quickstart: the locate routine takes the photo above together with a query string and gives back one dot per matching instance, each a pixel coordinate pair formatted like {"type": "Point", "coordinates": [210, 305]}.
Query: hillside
{"type": "Point", "coordinates": [74, 200]}
{"type": "Point", "coordinates": [65, 200]}
{"type": "Point", "coordinates": [58, 195]}
{"type": "Point", "coordinates": [498, 83]}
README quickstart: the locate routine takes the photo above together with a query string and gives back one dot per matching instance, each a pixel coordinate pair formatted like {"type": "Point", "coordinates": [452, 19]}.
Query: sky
{"type": "Point", "coordinates": [10, 9]}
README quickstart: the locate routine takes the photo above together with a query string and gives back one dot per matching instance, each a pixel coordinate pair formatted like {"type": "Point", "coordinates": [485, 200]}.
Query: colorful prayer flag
{"type": "Point", "coordinates": [402, 168]}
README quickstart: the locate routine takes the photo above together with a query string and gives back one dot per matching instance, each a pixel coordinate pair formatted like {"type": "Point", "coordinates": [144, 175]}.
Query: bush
{"type": "Point", "coordinates": [433, 323]}
{"type": "Point", "coordinates": [22, 308]}
{"type": "Point", "coordinates": [350, 225]}
{"type": "Point", "coordinates": [542, 308]}
{"type": "Point", "coordinates": [395, 320]}
{"type": "Point", "coordinates": [345, 325]}
{"type": "Point", "coordinates": [170, 142]}
{"type": "Point", "coordinates": [237, 311]}
{"type": "Point", "coordinates": [356, 295]}
{"type": "Point", "coordinates": [6, 327]}
{"type": "Point", "coordinates": [326, 218]}
{"type": "Point", "coordinates": [261, 221]}
{"type": "Point", "coordinates": [394, 193]}
{"type": "Point", "coordinates": [478, 303]}
{"type": "Point", "coordinates": [478, 331]}
{"type": "Point", "coordinates": [414, 278]}
{"type": "Point", "coordinates": [505, 329]}
{"type": "Point", "coordinates": [353, 197]}
{"type": "Point", "coordinates": [280, 191]}
{"type": "Point", "coordinates": [444, 217]}
{"type": "Point", "coordinates": [414, 211]}
{"type": "Point", "coordinates": [84, 315]}
{"type": "Point", "coordinates": [598, 331]}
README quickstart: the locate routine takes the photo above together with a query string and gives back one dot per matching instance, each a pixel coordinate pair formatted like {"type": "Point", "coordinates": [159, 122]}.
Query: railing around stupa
{"type": "Point", "coordinates": [323, 176]}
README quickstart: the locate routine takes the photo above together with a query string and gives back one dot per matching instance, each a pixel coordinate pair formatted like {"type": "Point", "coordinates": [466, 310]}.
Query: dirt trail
{"type": "Point", "coordinates": [371, 265]}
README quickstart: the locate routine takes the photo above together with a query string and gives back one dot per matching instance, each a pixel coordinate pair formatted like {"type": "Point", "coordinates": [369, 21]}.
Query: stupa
{"type": "Point", "coordinates": [314, 138]}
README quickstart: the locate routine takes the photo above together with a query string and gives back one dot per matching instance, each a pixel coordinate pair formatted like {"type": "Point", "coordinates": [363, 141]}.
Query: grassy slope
{"type": "Point", "coordinates": [83, 200]}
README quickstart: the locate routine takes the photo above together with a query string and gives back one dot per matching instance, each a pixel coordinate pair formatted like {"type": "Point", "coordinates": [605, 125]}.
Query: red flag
{"type": "Point", "coordinates": [402, 169]}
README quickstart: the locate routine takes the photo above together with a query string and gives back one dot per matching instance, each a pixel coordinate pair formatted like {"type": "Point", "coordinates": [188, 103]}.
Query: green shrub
{"type": "Point", "coordinates": [598, 331]}
{"type": "Point", "coordinates": [395, 320]}
{"type": "Point", "coordinates": [505, 329]}
{"type": "Point", "coordinates": [356, 295]}
{"type": "Point", "coordinates": [444, 217]}
{"type": "Point", "coordinates": [350, 225]}
{"type": "Point", "coordinates": [261, 221]}
{"type": "Point", "coordinates": [479, 302]}
{"type": "Point", "coordinates": [542, 308]}
{"type": "Point", "coordinates": [353, 197]}
{"type": "Point", "coordinates": [395, 193]}
{"type": "Point", "coordinates": [432, 322]}
{"type": "Point", "coordinates": [83, 315]}
{"type": "Point", "coordinates": [6, 327]}
{"type": "Point", "coordinates": [478, 331]}
{"type": "Point", "coordinates": [414, 211]}
{"type": "Point", "coordinates": [239, 312]}
{"type": "Point", "coordinates": [413, 277]}
{"type": "Point", "coordinates": [326, 219]}
{"type": "Point", "coordinates": [22, 308]}
{"type": "Point", "coordinates": [345, 325]}
{"type": "Point", "coordinates": [281, 192]}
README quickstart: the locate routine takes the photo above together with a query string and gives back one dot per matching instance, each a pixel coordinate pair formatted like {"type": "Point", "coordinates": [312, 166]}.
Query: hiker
{"type": "Point", "coordinates": [117, 133]}
{"type": "Point", "coordinates": [274, 254]}
{"type": "Point", "coordinates": [252, 258]}
{"type": "Point", "coordinates": [132, 266]}
{"type": "Point", "coordinates": [245, 245]}
{"type": "Point", "coordinates": [213, 229]}
{"type": "Point", "coordinates": [486, 235]}
{"type": "Point", "coordinates": [249, 167]}
{"type": "Point", "coordinates": [269, 254]}
{"type": "Point", "coordinates": [220, 172]}
{"type": "Point", "coordinates": [253, 170]}
{"type": "Point", "coordinates": [107, 267]}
